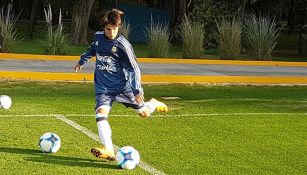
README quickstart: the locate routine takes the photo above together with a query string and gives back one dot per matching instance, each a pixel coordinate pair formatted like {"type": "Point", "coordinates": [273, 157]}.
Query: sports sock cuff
{"type": "Point", "coordinates": [100, 117]}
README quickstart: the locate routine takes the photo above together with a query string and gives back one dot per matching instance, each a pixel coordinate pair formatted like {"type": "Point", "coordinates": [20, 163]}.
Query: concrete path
{"type": "Point", "coordinates": [46, 67]}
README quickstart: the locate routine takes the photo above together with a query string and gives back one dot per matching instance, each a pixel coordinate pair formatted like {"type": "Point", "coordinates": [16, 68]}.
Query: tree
{"type": "Point", "coordinates": [177, 10]}
{"type": "Point", "coordinates": [33, 15]}
{"type": "Point", "coordinates": [80, 19]}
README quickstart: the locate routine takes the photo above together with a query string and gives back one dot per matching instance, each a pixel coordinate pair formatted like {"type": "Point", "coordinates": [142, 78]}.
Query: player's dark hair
{"type": "Point", "coordinates": [112, 17]}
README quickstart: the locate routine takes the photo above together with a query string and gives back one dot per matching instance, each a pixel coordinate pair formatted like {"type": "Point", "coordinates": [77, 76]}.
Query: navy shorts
{"type": "Point", "coordinates": [125, 97]}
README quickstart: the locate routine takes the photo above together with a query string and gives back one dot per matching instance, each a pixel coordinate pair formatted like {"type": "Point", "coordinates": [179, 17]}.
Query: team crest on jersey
{"type": "Point", "coordinates": [114, 49]}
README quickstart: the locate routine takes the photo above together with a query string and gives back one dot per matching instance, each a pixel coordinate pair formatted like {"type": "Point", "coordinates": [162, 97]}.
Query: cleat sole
{"type": "Point", "coordinates": [98, 154]}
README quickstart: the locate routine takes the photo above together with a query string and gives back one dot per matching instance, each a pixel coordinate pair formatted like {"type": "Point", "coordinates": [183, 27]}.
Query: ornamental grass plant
{"type": "Point", "coordinates": [57, 42]}
{"type": "Point", "coordinates": [158, 39]}
{"type": "Point", "coordinates": [192, 35]}
{"type": "Point", "coordinates": [9, 37]}
{"type": "Point", "coordinates": [261, 34]}
{"type": "Point", "coordinates": [229, 38]}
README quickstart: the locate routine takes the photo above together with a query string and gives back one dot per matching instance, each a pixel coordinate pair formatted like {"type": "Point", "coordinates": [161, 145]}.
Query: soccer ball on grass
{"type": "Point", "coordinates": [49, 142]}
{"type": "Point", "coordinates": [5, 102]}
{"type": "Point", "coordinates": [127, 157]}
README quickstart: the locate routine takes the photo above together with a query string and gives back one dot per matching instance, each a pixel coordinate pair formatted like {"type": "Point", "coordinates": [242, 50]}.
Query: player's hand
{"type": "Point", "coordinates": [78, 67]}
{"type": "Point", "coordinates": [139, 98]}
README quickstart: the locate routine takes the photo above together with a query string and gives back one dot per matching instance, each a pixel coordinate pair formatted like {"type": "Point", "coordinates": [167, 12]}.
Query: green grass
{"type": "Point", "coordinates": [288, 41]}
{"type": "Point", "coordinates": [36, 46]}
{"type": "Point", "coordinates": [210, 130]}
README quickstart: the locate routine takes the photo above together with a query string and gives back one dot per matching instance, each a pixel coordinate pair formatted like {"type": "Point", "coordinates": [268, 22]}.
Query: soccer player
{"type": "Point", "coordinates": [117, 78]}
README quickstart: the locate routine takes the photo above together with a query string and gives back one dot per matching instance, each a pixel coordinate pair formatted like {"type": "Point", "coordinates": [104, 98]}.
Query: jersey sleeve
{"type": "Point", "coordinates": [91, 51]}
{"type": "Point", "coordinates": [132, 69]}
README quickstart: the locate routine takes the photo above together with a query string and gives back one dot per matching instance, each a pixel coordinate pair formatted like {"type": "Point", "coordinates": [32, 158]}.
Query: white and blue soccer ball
{"type": "Point", "coordinates": [49, 142]}
{"type": "Point", "coordinates": [5, 102]}
{"type": "Point", "coordinates": [127, 157]}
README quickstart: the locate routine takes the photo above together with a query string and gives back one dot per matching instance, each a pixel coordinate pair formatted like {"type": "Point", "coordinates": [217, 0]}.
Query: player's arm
{"type": "Point", "coordinates": [133, 72]}
{"type": "Point", "coordinates": [91, 51]}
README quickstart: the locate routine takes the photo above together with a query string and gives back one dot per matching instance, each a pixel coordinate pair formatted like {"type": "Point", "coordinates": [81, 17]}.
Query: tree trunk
{"type": "Point", "coordinates": [80, 18]}
{"type": "Point", "coordinates": [177, 9]}
{"type": "Point", "coordinates": [291, 17]}
{"type": "Point", "coordinates": [33, 17]}
{"type": "Point", "coordinates": [301, 32]}
{"type": "Point", "coordinates": [180, 11]}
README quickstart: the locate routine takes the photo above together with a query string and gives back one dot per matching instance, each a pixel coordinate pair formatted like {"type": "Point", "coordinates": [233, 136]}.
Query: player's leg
{"type": "Point", "coordinates": [145, 109]}
{"type": "Point", "coordinates": [103, 106]}
{"type": "Point", "coordinates": [151, 106]}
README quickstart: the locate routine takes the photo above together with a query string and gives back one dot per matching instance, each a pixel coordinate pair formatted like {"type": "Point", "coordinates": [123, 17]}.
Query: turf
{"type": "Point", "coordinates": [210, 130]}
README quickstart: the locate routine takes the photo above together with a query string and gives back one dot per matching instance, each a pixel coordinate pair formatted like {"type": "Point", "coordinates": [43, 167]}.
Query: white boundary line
{"type": "Point", "coordinates": [195, 115]}
{"type": "Point", "coordinates": [95, 137]}
{"type": "Point", "coordinates": [158, 116]}
{"type": "Point", "coordinates": [29, 115]}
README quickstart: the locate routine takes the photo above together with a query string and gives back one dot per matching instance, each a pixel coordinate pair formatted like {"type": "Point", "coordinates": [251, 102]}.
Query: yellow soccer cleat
{"type": "Point", "coordinates": [103, 153]}
{"type": "Point", "coordinates": [161, 107]}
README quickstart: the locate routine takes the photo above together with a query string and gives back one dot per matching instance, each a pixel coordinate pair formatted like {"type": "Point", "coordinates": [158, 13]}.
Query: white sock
{"type": "Point", "coordinates": [152, 106]}
{"type": "Point", "coordinates": [104, 131]}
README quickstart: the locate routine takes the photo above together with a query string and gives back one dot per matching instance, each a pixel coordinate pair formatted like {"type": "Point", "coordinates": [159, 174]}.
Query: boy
{"type": "Point", "coordinates": [117, 78]}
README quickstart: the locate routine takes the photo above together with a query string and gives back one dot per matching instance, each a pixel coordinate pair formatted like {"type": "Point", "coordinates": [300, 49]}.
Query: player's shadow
{"type": "Point", "coordinates": [37, 156]}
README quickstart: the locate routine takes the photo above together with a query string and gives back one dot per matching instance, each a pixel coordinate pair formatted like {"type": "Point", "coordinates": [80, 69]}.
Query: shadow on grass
{"type": "Point", "coordinates": [48, 158]}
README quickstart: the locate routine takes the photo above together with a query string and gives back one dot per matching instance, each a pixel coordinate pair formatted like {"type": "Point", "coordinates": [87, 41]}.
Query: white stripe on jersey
{"type": "Point", "coordinates": [132, 60]}
{"type": "Point", "coordinates": [130, 53]}
{"type": "Point", "coordinates": [99, 32]}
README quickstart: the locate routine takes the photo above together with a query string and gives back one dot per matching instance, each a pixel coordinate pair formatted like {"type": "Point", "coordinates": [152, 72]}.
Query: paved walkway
{"type": "Point", "coordinates": [46, 67]}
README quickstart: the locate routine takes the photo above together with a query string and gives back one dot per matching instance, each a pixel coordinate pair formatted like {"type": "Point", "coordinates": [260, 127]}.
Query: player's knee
{"type": "Point", "coordinates": [102, 113]}
{"type": "Point", "coordinates": [104, 109]}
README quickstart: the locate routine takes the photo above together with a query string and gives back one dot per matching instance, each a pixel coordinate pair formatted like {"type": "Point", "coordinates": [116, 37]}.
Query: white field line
{"type": "Point", "coordinates": [158, 116]}
{"type": "Point", "coordinates": [194, 115]}
{"type": "Point", "coordinates": [29, 115]}
{"type": "Point", "coordinates": [95, 137]}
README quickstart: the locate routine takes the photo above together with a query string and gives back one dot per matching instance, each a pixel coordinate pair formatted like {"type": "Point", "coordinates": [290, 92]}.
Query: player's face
{"type": "Point", "coordinates": [111, 31]}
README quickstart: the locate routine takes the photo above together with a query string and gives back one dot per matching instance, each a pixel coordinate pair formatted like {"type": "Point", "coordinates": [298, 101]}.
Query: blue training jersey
{"type": "Point", "coordinates": [116, 66]}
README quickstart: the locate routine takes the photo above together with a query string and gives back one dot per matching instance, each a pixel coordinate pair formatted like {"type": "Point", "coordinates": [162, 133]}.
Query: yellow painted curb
{"type": "Point", "coordinates": [160, 78]}
{"type": "Point", "coordinates": [223, 62]}
{"type": "Point", "coordinates": [38, 57]}
{"type": "Point", "coordinates": [47, 76]}
{"type": "Point", "coordinates": [155, 60]}
{"type": "Point", "coordinates": [226, 79]}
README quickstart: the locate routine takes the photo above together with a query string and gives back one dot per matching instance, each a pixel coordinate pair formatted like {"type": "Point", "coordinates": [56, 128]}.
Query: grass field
{"type": "Point", "coordinates": [210, 130]}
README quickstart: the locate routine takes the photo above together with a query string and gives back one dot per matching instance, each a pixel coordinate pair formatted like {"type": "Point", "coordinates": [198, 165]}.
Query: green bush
{"type": "Point", "coordinates": [7, 29]}
{"type": "Point", "coordinates": [57, 42]}
{"type": "Point", "coordinates": [229, 38]}
{"type": "Point", "coordinates": [208, 11]}
{"type": "Point", "coordinates": [261, 34]}
{"type": "Point", "coordinates": [158, 38]}
{"type": "Point", "coordinates": [192, 35]}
